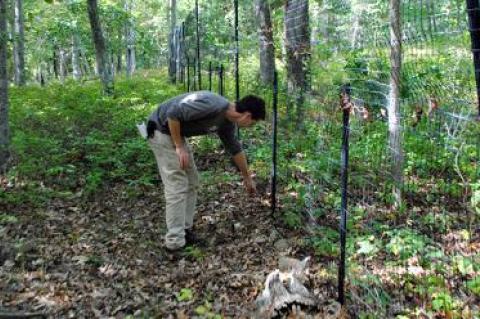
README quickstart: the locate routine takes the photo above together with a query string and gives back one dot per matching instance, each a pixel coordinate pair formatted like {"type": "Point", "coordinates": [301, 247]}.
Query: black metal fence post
{"type": "Point", "coordinates": [210, 76]}
{"type": "Point", "coordinates": [345, 105]}
{"type": "Point", "coordinates": [188, 74]}
{"type": "Point", "coordinates": [237, 72]}
{"type": "Point", "coordinates": [199, 63]}
{"type": "Point", "coordinates": [473, 8]}
{"type": "Point", "coordinates": [194, 66]}
{"type": "Point", "coordinates": [274, 143]}
{"type": "Point", "coordinates": [220, 80]}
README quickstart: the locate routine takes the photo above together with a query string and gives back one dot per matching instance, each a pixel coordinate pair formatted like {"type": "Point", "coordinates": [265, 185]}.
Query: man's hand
{"type": "Point", "coordinates": [182, 156]}
{"type": "Point", "coordinates": [249, 185]}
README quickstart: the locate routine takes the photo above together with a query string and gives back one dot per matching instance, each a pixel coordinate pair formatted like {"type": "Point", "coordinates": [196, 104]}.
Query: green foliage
{"type": "Point", "coordinates": [185, 294]}
{"type": "Point", "coordinates": [292, 219]}
{"type": "Point", "coordinates": [8, 219]}
{"type": "Point", "coordinates": [442, 301]}
{"type": "Point", "coordinates": [368, 246]}
{"type": "Point", "coordinates": [405, 243]}
{"type": "Point", "coordinates": [194, 252]}
{"type": "Point", "coordinates": [76, 139]}
{"type": "Point", "coordinates": [205, 311]}
{"type": "Point", "coordinates": [326, 242]}
{"type": "Point", "coordinates": [475, 200]}
{"type": "Point", "coordinates": [474, 285]}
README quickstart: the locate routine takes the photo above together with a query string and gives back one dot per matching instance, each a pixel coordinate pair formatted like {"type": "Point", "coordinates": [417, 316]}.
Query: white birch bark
{"type": "Point", "coordinates": [77, 72]}
{"type": "Point", "coordinates": [130, 58]}
{"type": "Point", "coordinates": [62, 64]}
{"type": "Point", "coordinates": [394, 124]}
{"type": "Point", "coordinates": [19, 43]}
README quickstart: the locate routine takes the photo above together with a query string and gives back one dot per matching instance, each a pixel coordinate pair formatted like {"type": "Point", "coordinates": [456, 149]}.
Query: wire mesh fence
{"type": "Point", "coordinates": [421, 256]}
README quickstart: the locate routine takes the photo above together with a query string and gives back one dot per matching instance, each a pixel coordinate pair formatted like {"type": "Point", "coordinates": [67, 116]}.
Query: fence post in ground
{"type": "Point", "coordinates": [345, 105]}
{"type": "Point", "coordinates": [473, 8]}
{"type": "Point", "coordinates": [220, 80]}
{"type": "Point", "coordinates": [274, 143]}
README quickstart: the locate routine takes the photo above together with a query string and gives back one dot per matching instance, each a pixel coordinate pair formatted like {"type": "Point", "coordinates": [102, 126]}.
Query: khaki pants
{"type": "Point", "coordinates": [180, 188]}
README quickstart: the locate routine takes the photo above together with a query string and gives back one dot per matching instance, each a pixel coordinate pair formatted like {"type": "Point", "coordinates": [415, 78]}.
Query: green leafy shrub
{"type": "Point", "coordinates": [405, 243]}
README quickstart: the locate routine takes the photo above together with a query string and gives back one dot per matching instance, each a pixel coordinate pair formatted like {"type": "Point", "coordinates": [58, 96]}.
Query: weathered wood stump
{"type": "Point", "coordinates": [286, 296]}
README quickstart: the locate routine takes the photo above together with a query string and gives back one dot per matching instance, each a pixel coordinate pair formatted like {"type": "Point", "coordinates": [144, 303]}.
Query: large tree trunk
{"type": "Point", "coordinates": [101, 53]}
{"type": "Point", "coordinates": [19, 43]}
{"type": "Point", "coordinates": [130, 38]}
{"type": "Point", "coordinates": [297, 47]}
{"type": "Point", "coordinates": [267, 49]}
{"type": "Point", "coordinates": [395, 134]}
{"type": "Point", "coordinates": [4, 130]}
{"type": "Point", "coordinates": [172, 66]}
{"type": "Point", "coordinates": [77, 72]}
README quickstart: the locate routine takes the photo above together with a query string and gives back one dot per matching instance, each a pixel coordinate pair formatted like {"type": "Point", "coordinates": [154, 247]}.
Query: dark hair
{"type": "Point", "coordinates": [252, 104]}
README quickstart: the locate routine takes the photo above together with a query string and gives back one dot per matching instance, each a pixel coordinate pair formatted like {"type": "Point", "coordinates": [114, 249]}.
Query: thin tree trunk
{"type": "Point", "coordinates": [101, 53]}
{"type": "Point", "coordinates": [4, 129]}
{"type": "Point", "coordinates": [77, 72]}
{"type": "Point", "coordinates": [395, 134]}
{"type": "Point", "coordinates": [62, 64]}
{"type": "Point", "coordinates": [120, 53]}
{"type": "Point", "coordinates": [172, 59]}
{"type": "Point", "coordinates": [130, 57]}
{"type": "Point", "coordinates": [267, 48]}
{"type": "Point", "coordinates": [316, 17]}
{"type": "Point", "coordinates": [297, 45]}
{"type": "Point", "coordinates": [19, 43]}
{"type": "Point", "coordinates": [55, 61]}
{"type": "Point", "coordinates": [355, 25]}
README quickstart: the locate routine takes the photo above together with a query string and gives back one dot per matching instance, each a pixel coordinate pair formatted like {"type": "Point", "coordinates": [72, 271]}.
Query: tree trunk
{"type": "Point", "coordinates": [395, 134]}
{"type": "Point", "coordinates": [178, 53]}
{"type": "Point", "coordinates": [267, 49]}
{"type": "Point", "coordinates": [297, 47]}
{"type": "Point", "coordinates": [77, 72]}
{"type": "Point", "coordinates": [4, 130]}
{"type": "Point", "coordinates": [181, 53]}
{"type": "Point", "coordinates": [171, 39]}
{"type": "Point", "coordinates": [62, 64]}
{"type": "Point", "coordinates": [355, 26]}
{"type": "Point", "coordinates": [55, 62]}
{"type": "Point", "coordinates": [130, 38]}
{"type": "Point", "coordinates": [119, 52]}
{"type": "Point", "coordinates": [101, 53]}
{"type": "Point", "coordinates": [19, 43]}
{"type": "Point", "coordinates": [316, 17]}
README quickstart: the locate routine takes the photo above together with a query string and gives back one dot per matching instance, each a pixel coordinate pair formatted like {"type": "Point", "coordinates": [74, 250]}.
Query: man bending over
{"type": "Point", "coordinates": [193, 114]}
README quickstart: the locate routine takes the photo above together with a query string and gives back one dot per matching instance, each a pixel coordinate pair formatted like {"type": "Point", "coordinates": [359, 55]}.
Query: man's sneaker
{"type": "Point", "coordinates": [192, 240]}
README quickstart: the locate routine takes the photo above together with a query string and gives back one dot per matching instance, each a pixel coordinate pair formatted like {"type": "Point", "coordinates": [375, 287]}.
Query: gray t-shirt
{"type": "Point", "coordinates": [199, 113]}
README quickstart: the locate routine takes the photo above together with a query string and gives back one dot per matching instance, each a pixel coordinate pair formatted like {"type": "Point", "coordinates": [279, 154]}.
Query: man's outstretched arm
{"type": "Point", "coordinates": [241, 161]}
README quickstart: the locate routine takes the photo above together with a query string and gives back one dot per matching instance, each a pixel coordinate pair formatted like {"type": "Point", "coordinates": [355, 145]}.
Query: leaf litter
{"type": "Point", "coordinates": [106, 258]}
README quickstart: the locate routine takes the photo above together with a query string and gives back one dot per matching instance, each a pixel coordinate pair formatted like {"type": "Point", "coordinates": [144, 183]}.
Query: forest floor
{"type": "Point", "coordinates": [106, 257]}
